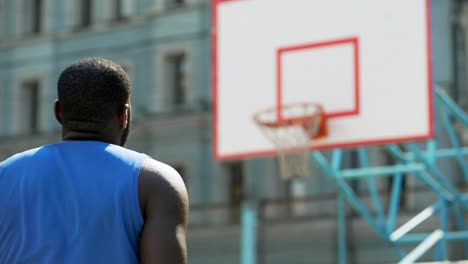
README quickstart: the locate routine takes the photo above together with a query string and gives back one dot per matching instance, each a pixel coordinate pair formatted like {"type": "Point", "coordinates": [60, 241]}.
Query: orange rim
{"type": "Point", "coordinates": [291, 121]}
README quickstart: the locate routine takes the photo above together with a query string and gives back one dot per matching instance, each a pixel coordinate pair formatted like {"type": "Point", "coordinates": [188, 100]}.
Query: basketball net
{"type": "Point", "coordinates": [292, 132]}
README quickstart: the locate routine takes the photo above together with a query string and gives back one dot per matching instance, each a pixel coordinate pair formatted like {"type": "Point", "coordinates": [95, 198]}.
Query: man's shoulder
{"type": "Point", "coordinates": [153, 170]}
{"type": "Point", "coordinates": [125, 152]}
{"type": "Point", "coordinates": [165, 208]}
{"type": "Point", "coordinates": [160, 181]}
{"type": "Point", "coordinates": [20, 157]}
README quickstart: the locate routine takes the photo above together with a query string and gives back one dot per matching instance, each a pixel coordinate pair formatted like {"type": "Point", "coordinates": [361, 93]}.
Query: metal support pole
{"type": "Point", "coordinates": [348, 193]}
{"type": "Point", "coordinates": [393, 207]}
{"type": "Point", "coordinates": [364, 162]}
{"type": "Point", "coordinates": [422, 248]}
{"type": "Point", "coordinates": [419, 237]}
{"type": "Point", "coordinates": [436, 172]}
{"type": "Point", "coordinates": [342, 245]}
{"type": "Point", "coordinates": [456, 144]}
{"type": "Point", "coordinates": [414, 222]}
{"type": "Point", "coordinates": [249, 233]}
{"type": "Point", "coordinates": [435, 186]}
{"type": "Point", "coordinates": [337, 158]}
{"type": "Point", "coordinates": [445, 153]}
{"type": "Point", "coordinates": [452, 106]}
{"type": "Point", "coordinates": [461, 226]}
{"type": "Point", "coordinates": [394, 202]}
{"type": "Point", "coordinates": [441, 253]}
{"type": "Point", "coordinates": [431, 147]}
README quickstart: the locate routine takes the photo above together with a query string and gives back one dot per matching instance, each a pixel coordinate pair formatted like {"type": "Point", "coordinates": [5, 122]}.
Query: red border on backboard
{"type": "Point", "coordinates": [319, 45]}
{"type": "Point", "coordinates": [218, 156]}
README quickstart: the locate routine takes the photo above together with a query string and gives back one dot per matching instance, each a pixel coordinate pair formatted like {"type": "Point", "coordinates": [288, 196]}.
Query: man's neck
{"type": "Point", "coordinates": [89, 136]}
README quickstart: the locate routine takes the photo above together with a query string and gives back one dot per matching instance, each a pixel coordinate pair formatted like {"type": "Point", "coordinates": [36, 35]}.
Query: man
{"type": "Point", "coordinates": [87, 199]}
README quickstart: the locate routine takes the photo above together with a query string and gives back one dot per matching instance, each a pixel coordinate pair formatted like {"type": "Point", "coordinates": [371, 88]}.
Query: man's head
{"type": "Point", "coordinates": [94, 101]}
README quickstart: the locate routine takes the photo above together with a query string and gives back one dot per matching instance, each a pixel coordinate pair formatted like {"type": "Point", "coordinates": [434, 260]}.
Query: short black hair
{"type": "Point", "coordinates": [92, 90]}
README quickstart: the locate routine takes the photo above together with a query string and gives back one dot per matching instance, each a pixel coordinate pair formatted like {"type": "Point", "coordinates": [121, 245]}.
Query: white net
{"type": "Point", "coordinates": [292, 136]}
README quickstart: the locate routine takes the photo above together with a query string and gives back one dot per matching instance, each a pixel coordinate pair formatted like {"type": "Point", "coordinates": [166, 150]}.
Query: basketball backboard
{"type": "Point", "coordinates": [368, 62]}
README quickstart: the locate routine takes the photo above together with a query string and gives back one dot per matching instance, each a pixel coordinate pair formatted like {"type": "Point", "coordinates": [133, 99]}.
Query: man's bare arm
{"type": "Point", "coordinates": [164, 204]}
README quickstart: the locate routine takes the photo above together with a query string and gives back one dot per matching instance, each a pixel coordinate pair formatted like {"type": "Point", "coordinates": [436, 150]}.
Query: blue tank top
{"type": "Point", "coordinates": [71, 202]}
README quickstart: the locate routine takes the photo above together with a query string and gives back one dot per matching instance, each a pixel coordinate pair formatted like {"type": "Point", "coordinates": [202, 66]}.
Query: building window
{"type": "Point", "coordinates": [174, 3]}
{"type": "Point", "coordinates": [177, 79]}
{"type": "Point", "coordinates": [32, 16]}
{"type": "Point", "coordinates": [85, 16]}
{"type": "Point", "coordinates": [236, 188]}
{"type": "Point", "coordinates": [122, 9]}
{"type": "Point", "coordinates": [37, 16]}
{"type": "Point", "coordinates": [118, 10]}
{"type": "Point", "coordinates": [2, 20]}
{"type": "Point", "coordinates": [30, 96]}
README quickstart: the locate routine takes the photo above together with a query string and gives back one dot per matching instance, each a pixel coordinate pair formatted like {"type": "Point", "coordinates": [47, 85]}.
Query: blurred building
{"type": "Point", "coordinates": [164, 45]}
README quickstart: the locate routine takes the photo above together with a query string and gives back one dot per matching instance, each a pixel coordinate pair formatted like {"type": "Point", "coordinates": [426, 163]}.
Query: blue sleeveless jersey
{"type": "Point", "coordinates": [71, 202]}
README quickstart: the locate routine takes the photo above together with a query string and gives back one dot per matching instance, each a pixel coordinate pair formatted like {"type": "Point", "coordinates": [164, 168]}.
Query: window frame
{"type": "Point", "coordinates": [19, 126]}
{"type": "Point", "coordinates": [31, 92]}
{"type": "Point", "coordinates": [3, 22]}
{"type": "Point", "coordinates": [176, 83]}
{"type": "Point", "coordinates": [82, 20]}
{"type": "Point", "coordinates": [31, 19]}
{"type": "Point", "coordinates": [172, 4]}
{"type": "Point", "coordinates": [159, 100]}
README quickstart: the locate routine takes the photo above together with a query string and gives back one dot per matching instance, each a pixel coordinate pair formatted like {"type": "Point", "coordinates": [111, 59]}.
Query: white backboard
{"type": "Point", "coordinates": [368, 62]}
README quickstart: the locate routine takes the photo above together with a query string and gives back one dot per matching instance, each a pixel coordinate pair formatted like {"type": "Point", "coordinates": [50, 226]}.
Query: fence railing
{"type": "Point", "coordinates": [301, 208]}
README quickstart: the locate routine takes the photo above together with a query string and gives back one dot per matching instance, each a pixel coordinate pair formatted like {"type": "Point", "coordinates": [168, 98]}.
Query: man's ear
{"type": "Point", "coordinates": [124, 116]}
{"type": "Point", "coordinates": [57, 112]}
